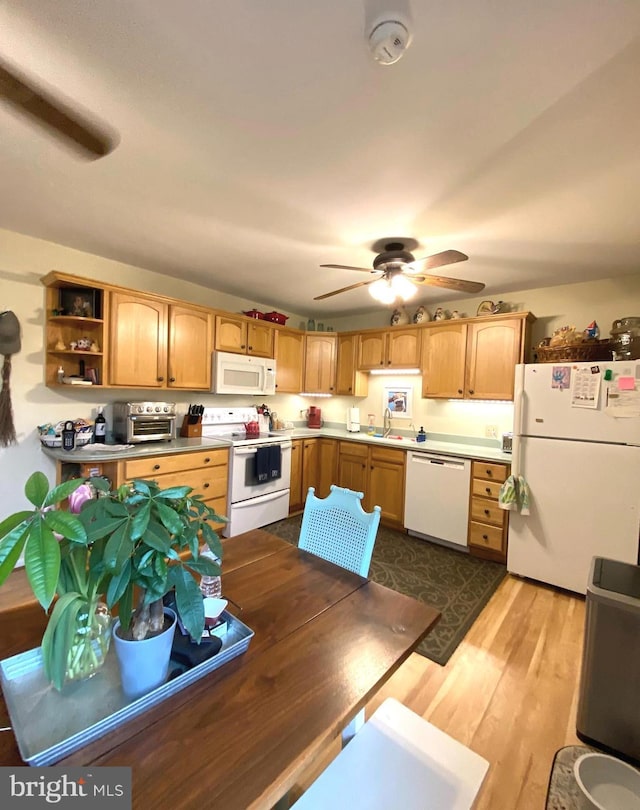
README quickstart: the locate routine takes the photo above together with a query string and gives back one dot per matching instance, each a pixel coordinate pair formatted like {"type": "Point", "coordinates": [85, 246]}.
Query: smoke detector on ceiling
{"type": "Point", "coordinates": [388, 40]}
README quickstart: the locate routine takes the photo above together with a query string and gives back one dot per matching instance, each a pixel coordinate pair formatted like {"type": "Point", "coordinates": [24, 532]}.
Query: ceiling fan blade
{"type": "Point", "coordinates": [348, 267]}
{"type": "Point", "coordinates": [344, 289]}
{"type": "Point", "coordinates": [458, 284]}
{"type": "Point", "coordinates": [437, 260]}
{"type": "Point", "coordinates": [53, 114]}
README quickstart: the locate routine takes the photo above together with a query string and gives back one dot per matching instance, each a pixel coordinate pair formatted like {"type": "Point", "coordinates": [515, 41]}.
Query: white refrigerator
{"type": "Point", "coordinates": [577, 443]}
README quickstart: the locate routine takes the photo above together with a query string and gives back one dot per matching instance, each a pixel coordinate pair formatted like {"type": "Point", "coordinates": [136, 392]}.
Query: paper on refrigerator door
{"type": "Point", "coordinates": [585, 387]}
{"type": "Point", "coordinates": [623, 403]}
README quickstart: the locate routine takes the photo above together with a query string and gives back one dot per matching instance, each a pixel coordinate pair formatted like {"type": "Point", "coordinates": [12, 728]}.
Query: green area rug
{"type": "Point", "coordinates": [458, 585]}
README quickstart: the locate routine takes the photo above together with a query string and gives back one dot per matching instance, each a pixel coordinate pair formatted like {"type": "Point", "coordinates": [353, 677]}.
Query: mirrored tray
{"type": "Point", "coordinates": [49, 725]}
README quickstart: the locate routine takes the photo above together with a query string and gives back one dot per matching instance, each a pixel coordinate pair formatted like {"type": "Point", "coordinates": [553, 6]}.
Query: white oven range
{"type": "Point", "coordinates": [250, 503]}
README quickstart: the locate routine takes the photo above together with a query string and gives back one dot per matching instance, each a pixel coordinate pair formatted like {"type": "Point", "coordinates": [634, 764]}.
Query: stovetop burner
{"type": "Point", "coordinates": [228, 424]}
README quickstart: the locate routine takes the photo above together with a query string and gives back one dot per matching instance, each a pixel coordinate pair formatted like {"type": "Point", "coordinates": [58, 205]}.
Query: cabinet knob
{"type": "Point", "coordinates": [486, 511]}
{"type": "Point", "coordinates": [489, 473]}
{"type": "Point", "coordinates": [156, 466]}
{"type": "Point", "coordinates": [172, 379]}
{"type": "Point", "coordinates": [160, 379]}
{"type": "Point", "coordinates": [205, 486]}
{"type": "Point", "coordinates": [364, 466]}
{"type": "Point", "coordinates": [487, 490]}
{"type": "Point", "coordinates": [485, 537]}
{"type": "Point", "coordinates": [243, 346]}
{"type": "Point", "coordinates": [207, 460]}
{"type": "Point", "coordinates": [471, 391]}
{"type": "Point", "coordinates": [382, 362]}
{"type": "Point", "coordinates": [250, 348]}
{"type": "Point", "coordinates": [350, 388]}
{"type": "Point", "coordinates": [460, 390]}
{"type": "Point", "coordinates": [388, 362]}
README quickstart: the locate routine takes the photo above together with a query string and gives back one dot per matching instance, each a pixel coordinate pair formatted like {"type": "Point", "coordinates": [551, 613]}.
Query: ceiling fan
{"type": "Point", "coordinates": [51, 113]}
{"type": "Point", "coordinates": [397, 272]}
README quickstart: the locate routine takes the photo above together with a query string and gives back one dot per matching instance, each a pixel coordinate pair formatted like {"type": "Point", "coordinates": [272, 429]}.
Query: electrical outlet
{"type": "Point", "coordinates": [491, 431]}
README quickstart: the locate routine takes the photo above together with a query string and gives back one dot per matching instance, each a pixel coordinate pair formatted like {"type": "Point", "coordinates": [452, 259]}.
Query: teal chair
{"type": "Point", "coordinates": [337, 529]}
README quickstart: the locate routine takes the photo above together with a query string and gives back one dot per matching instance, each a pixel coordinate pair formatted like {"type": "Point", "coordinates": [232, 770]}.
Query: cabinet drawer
{"type": "Point", "coordinates": [354, 449]}
{"type": "Point", "coordinates": [487, 511]}
{"type": "Point", "coordinates": [209, 483]}
{"type": "Point", "coordinates": [485, 488]}
{"type": "Point", "coordinates": [491, 472]}
{"type": "Point", "coordinates": [388, 454]}
{"type": "Point", "coordinates": [480, 534]}
{"type": "Point", "coordinates": [159, 465]}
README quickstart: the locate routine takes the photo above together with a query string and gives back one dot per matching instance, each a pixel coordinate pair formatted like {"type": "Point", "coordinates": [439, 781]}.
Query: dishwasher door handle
{"type": "Point", "coordinates": [450, 463]}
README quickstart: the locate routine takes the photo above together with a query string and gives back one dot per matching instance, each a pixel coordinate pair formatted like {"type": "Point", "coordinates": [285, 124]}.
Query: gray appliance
{"type": "Point", "coordinates": [136, 422]}
{"type": "Point", "coordinates": [608, 708]}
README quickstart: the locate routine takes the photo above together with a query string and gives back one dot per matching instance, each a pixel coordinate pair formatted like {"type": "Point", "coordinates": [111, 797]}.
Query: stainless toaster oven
{"type": "Point", "coordinates": [135, 422]}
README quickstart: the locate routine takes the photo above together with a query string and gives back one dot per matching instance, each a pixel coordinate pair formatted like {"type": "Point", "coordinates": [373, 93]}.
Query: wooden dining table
{"type": "Point", "coordinates": [325, 640]}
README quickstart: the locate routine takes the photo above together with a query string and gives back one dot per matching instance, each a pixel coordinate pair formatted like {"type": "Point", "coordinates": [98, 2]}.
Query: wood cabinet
{"type": "Point", "coordinates": [377, 471]}
{"type": "Point", "coordinates": [473, 359]}
{"type": "Point", "coordinates": [153, 344]}
{"type": "Point", "coordinates": [66, 331]}
{"type": "Point", "coordinates": [289, 352]}
{"type": "Point", "coordinates": [314, 463]}
{"type": "Point", "coordinates": [244, 336]}
{"type": "Point", "coordinates": [389, 348]}
{"type": "Point", "coordinates": [320, 363]}
{"type": "Point", "coordinates": [349, 380]}
{"type": "Point", "coordinates": [206, 471]}
{"type": "Point", "coordinates": [488, 524]}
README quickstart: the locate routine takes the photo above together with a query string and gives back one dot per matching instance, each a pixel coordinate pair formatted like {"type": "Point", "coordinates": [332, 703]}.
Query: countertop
{"type": "Point", "coordinates": [459, 446]}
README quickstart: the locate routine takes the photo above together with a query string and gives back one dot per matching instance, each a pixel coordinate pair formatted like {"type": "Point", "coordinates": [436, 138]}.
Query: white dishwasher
{"type": "Point", "coordinates": [437, 497]}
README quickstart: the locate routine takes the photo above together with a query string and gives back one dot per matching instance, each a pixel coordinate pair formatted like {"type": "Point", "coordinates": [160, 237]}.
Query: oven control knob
{"type": "Point", "coordinates": [166, 409]}
{"type": "Point", "coordinates": [140, 409]}
{"type": "Point", "coordinates": [149, 409]}
{"type": "Point", "coordinates": [157, 409]}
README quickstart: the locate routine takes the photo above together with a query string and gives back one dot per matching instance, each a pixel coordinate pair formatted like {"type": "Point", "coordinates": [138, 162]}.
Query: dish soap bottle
{"type": "Point", "coordinates": [100, 428]}
{"type": "Point", "coordinates": [422, 436]}
{"type": "Point", "coordinates": [371, 428]}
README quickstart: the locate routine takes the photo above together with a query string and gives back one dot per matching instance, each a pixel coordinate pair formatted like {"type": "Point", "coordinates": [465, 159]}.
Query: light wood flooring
{"type": "Point", "coordinates": [509, 692]}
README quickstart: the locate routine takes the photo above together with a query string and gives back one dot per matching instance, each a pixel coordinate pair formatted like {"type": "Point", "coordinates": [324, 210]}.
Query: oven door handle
{"type": "Point", "coordinates": [248, 451]}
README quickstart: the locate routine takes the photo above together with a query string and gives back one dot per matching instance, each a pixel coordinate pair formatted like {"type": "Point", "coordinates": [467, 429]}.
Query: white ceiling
{"type": "Point", "coordinates": [259, 140]}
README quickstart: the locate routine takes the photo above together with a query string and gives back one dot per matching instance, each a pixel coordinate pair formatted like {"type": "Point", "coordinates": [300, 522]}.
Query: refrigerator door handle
{"type": "Point", "coordinates": [518, 402]}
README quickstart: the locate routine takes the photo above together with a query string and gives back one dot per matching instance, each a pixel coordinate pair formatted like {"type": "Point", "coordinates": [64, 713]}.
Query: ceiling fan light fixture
{"type": "Point", "coordinates": [403, 287]}
{"type": "Point", "coordinates": [382, 292]}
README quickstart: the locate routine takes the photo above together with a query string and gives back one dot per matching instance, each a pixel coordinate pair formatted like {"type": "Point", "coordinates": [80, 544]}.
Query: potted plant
{"type": "Point", "coordinates": [138, 539]}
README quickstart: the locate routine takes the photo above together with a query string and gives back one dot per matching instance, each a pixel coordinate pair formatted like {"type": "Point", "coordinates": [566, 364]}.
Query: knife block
{"type": "Point", "coordinates": [191, 431]}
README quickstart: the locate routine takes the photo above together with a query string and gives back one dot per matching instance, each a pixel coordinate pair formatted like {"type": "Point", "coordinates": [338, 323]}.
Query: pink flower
{"type": "Point", "coordinates": [79, 497]}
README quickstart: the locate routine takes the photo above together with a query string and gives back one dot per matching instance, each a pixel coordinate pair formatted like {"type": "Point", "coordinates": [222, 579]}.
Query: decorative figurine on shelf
{"type": "Point", "coordinates": [592, 331]}
{"type": "Point", "coordinates": [73, 345]}
{"type": "Point", "coordinates": [84, 343]}
{"type": "Point", "coordinates": [455, 314]}
{"type": "Point", "coordinates": [399, 317]}
{"type": "Point", "coordinates": [95, 348]}
{"type": "Point", "coordinates": [60, 347]}
{"type": "Point", "coordinates": [420, 315]}
{"type": "Point", "coordinates": [440, 315]}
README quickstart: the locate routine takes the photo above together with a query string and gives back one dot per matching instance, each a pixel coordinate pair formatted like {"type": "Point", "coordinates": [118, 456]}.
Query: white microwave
{"type": "Point", "coordinates": [243, 374]}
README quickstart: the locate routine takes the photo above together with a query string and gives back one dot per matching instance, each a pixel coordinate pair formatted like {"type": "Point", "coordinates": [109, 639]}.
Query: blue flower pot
{"type": "Point", "coordinates": [144, 665]}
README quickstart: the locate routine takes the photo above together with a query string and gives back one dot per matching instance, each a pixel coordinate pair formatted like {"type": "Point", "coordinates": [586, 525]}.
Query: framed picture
{"type": "Point", "coordinates": [79, 302]}
{"type": "Point", "coordinates": [398, 400]}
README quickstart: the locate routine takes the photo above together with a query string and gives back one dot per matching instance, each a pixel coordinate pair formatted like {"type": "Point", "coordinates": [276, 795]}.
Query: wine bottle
{"type": "Point", "coordinates": [100, 427]}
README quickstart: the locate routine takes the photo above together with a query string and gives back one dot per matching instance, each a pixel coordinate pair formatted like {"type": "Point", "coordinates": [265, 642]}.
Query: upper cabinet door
{"type": "Point", "coordinates": [320, 364]}
{"type": "Point", "coordinates": [137, 341]}
{"type": "Point", "coordinates": [372, 350]}
{"type": "Point", "coordinates": [289, 362]}
{"type": "Point", "coordinates": [231, 334]}
{"type": "Point", "coordinates": [190, 344]}
{"type": "Point", "coordinates": [403, 348]}
{"type": "Point", "coordinates": [349, 381]}
{"type": "Point", "coordinates": [443, 360]}
{"type": "Point", "coordinates": [493, 349]}
{"type": "Point", "coordinates": [260, 339]}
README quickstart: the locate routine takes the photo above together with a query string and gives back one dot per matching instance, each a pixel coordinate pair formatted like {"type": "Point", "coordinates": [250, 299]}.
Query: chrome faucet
{"type": "Point", "coordinates": [387, 423]}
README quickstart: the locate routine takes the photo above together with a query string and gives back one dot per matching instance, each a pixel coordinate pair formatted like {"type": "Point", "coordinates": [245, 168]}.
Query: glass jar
{"type": "Point", "coordinates": [625, 338]}
{"type": "Point", "coordinates": [90, 643]}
